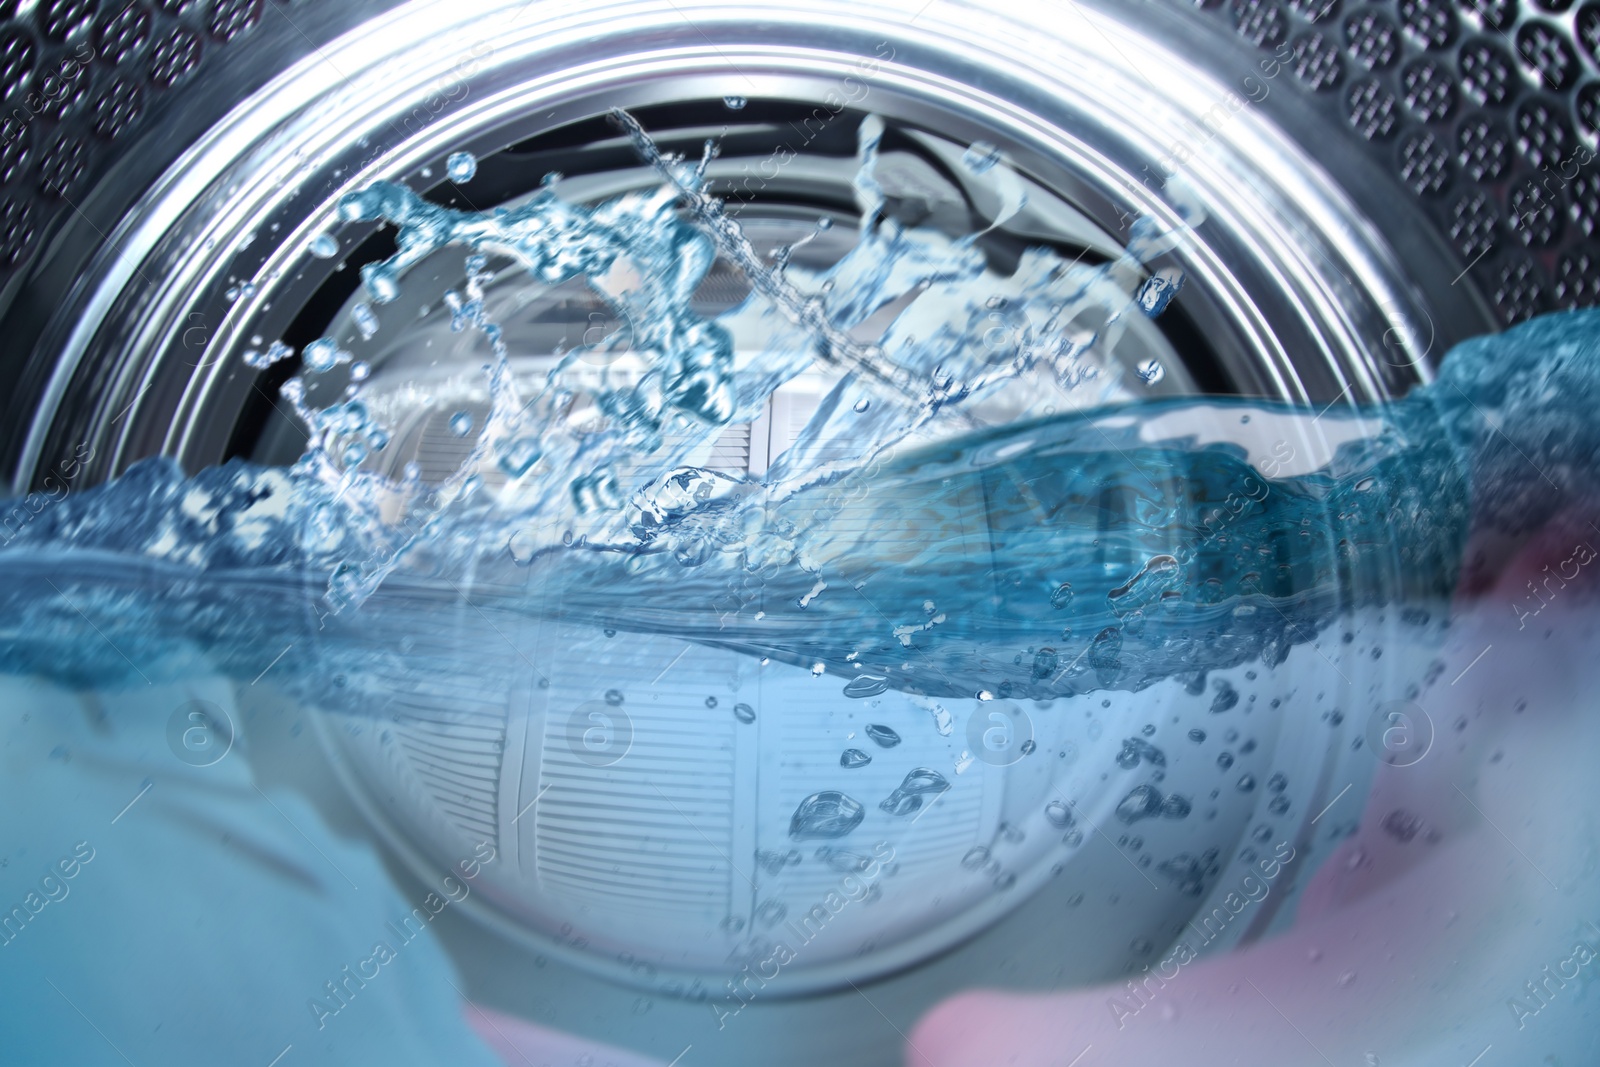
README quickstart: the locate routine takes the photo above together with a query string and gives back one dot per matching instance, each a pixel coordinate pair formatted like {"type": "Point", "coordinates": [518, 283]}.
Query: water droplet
{"type": "Point", "coordinates": [734, 103]}
{"type": "Point", "coordinates": [883, 735]}
{"type": "Point", "coordinates": [1247, 782]}
{"type": "Point", "coordinates": [908, 795]}
{"type": "Point", "coordinates": [1059, 814]}
{"type": "Point", "coordinates": [1227, 697]}
{"type": "Point", "coordinates": [862, 405]}
{"type": "Point", "coordinates": [1142, 802]}
{"type": "Point", "coordinates": [322, 355]}
{"type": "Point", "coordinates": [866, 685]}
{"type": "Point", "coordinates": [1176, 807]}
{"type": "Point", "coordinates": [852, 758]}
{"type": "Point", "coordinates": [1346, 978]}
{"type": "Point", "coordinates": [1151, 371]}
{"type": "Point", "coordinates": [744, 713]}
{"type": "Point", "coordinates": [1062, 596]}
{"type": "Point", "coordinates": [1029, 746]}
{"type": "Point", "coordinates": [1105, 653]}
{"type": "Point", "coordinates": [614, 697]}
{"type": "Point", "coordinates": [519, 456]}
{"type": "Point", "coordinates": [981, 157]}
{"type": "Point", "coordinates": [1135, 750]}
{"type": "Point", "coordinates": [1197, 736]}
{"type": "Point", "coordinates": [276, 352]}
{"type": "Point", "coordinates": [711, 702]}
{"type": "Point", "coordinates": [360, 370]}
{"type": "Point", "coordinates": [461, 423]}
{"type": "Point", "coordinates": [825, 815]}
{"type": "Point", "coordinates": [461, 166]}
{"type": "Point", "coordinates": [366, 322]}
{"type": "Point", "coordinates": [1044, 663]}
{"type": "Point", "coordinates": [1153, 298]}
{"type": "Point", "coordinates": [324, 246]}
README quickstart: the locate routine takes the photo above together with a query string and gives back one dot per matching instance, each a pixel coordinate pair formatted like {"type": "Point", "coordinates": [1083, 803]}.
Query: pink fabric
{"type": "Point", "coordinates": [1400, 953]}
{"type": "Point", "coordinates": [520, 1043]}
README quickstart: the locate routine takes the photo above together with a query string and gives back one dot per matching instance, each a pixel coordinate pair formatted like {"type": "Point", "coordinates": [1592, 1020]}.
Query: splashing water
{"type": "Point", "coordinates": [1050, 556]}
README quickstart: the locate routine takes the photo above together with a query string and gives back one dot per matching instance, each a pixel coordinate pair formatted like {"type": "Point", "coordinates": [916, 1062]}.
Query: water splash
{"type": "Point", "coordinates": [1113, 549]}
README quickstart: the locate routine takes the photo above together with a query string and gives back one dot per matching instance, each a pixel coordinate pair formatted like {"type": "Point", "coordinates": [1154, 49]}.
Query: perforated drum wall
{"type": "Point", "coordinates": [1486, 110]}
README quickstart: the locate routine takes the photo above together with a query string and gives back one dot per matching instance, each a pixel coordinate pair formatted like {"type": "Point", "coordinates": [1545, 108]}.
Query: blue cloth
{"type": "Point", "coordinates": [159, 913]}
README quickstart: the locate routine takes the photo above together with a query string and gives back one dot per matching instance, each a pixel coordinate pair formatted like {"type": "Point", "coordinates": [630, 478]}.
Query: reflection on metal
{"type": "Point", "coordinates": [1289, 292]}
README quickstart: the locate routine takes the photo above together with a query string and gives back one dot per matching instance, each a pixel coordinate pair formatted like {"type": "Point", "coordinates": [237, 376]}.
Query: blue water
{"type": "Point", "coordinates": [1050, 556]}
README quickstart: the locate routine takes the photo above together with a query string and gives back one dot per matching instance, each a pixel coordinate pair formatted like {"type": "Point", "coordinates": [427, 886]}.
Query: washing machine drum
{"type": "Point", "coordinates": [1379, 181]}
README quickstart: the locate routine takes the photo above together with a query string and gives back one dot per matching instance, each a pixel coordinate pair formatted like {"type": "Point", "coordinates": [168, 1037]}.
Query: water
{"type": "Point", "coordinates": [1106, 556]}
{"type": "Point", "coordinates": [324, 246]}
{"type": "Point", "coordinates": [462, 167]}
